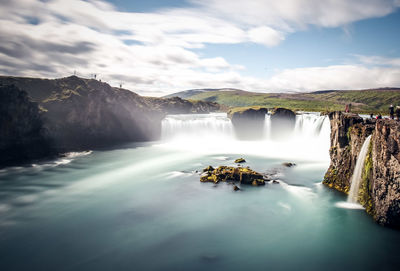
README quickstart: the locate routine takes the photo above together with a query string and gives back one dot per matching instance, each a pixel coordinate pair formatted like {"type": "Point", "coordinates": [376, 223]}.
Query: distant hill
{"type": "Point", "coordinates": [187, 94]}
{"type": "Point", "coordinates": [363, 101]}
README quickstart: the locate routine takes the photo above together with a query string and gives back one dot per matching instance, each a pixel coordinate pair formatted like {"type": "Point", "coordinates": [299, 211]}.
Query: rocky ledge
{"type": "Point", "coordinates": [380, 186]}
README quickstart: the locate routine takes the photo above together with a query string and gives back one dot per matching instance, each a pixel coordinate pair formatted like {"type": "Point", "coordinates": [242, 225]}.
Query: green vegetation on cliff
{"type": "Point", "coordinates": [363, 101]}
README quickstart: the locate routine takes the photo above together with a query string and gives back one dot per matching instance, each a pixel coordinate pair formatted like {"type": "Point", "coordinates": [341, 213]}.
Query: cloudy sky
{"type": "Point", "coordinates": [159, 47]}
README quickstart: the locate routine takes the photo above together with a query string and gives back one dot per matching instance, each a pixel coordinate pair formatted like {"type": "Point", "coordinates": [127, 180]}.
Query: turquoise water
{"type": "Point", "coordinates": [142, 207]}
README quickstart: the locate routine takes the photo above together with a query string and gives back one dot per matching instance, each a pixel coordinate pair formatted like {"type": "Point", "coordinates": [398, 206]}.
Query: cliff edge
{"type": "Point", "coordinates": [380, 187]}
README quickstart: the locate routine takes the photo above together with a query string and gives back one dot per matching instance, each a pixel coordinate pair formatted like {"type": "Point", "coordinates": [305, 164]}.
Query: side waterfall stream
{"type": "Point", "coordinates": [356, 178]}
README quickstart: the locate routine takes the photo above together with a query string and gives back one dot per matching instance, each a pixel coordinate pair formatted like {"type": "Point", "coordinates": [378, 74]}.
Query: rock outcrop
{"type": "Point", "coordinates": [248, 123]}
{"type": "Point", "coordinates": [380, 186]}
{"type": "Point", "coordinates": [232, 174]}
{"type": "Point", "coordinates": [79, 114]}
{"type": "Point", "coordinates": [282, 122]}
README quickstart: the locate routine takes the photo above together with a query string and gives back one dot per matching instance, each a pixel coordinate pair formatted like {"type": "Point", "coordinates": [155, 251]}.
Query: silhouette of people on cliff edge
{"type": "Point", "coordinates": [347, 108]}
{"type": "Point", "coordinates": [391, 111]}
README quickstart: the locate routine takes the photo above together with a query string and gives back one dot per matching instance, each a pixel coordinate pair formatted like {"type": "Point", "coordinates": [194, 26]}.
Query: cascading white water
{"type": "Point", "coordinates": [214, 133]}
{"type": "Point", "coordinates": [356, 178]}
{"type": "Point", "coordinates": [197, 126]}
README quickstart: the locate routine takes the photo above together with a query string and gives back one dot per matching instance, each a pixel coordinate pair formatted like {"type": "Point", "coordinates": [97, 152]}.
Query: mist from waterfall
{"type": "Point", "coordinates": [356, 178]}
{"type": "Point", "coordinates": [214, 133]}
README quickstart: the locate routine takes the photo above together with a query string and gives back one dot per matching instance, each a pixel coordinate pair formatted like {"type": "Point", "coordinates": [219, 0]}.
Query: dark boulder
{"type": "Point", "coordinates": [240, 160]}
{"type": "Point", "coordinates": [288, 164]}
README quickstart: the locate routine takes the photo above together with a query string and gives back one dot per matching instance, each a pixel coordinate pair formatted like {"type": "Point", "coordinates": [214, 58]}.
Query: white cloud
{"type": "Point", "coordinates": [152, 52]}
{"type": "Point", "coordinates": [379, 60]}
{"type": "Point", "coordinates": [335, 77]}
{"type": "Point", "coordinates": [299, 13]}
{"type": "Point", "coordinates": [265, 35]}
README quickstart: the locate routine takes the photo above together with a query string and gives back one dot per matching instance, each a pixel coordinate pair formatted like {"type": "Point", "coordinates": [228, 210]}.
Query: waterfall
{"type": "Point", "coordinates": [197, 126]}
{"type": "Point", "coordinates": [214, 133]}
{"type": "Point", "coordinates": [356, 178]}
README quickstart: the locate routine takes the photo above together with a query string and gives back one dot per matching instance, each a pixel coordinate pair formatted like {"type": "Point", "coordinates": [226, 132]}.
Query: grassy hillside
{"type": "Point", "coordinates": [363, 101]}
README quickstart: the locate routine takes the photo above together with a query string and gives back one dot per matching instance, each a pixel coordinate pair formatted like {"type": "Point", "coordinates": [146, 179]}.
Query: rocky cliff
{"type": "Point", "coordinates": [385, 182]}
{"type": "Point", "coordinates": [79, 113]}
{"type": "Point", "coordinates": [22, 134]}
{"type": "Point", "coordinates": [380, 186]}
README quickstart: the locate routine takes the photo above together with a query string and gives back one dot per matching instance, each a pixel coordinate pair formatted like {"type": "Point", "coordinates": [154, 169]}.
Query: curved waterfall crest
{"type": "Point", "coordinates": [356, 178]}
{"type": "Point", "coordinates": [214, 133]}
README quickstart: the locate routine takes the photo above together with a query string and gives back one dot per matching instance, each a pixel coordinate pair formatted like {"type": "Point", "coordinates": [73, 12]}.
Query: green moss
{"type": "Point", "coordinates": [349, 134]}
{"type": "Point", "coordinates": [364, 195]}
{"type": "Point", "coordinates": [332, 180]}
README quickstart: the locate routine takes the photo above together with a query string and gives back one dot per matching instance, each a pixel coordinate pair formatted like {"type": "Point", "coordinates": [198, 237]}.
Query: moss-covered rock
{"type": "Point", "coordinates": [233, 174]}
{"type": "Point", "coordinates": [209, 168]}
{"type": "Point", "coordinates": [240, 160]}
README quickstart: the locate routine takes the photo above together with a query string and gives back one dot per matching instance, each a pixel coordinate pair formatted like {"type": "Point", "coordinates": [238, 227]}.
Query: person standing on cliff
{"type": "Point", "coordinates": [346, 109]}
{"type": "Point", "coordinates": [398, 112]}
{"type": "Point", "coordinates": [391, 111]}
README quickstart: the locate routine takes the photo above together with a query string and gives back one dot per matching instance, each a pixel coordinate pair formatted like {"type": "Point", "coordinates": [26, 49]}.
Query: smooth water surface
{"type": "Point", "coordinates": [142, 207]}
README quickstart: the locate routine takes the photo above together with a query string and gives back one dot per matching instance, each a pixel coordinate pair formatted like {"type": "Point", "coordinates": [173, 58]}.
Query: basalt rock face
{"type": "Point", "coordinates": [248, 123]}
{"type": "Point", "coordinates": [386, 173]}
{"type": "Point", "coordinates": [82, 113]}
{"type": "Point", "coordinates": [282, 122]}
{"type": "Point", "coordinates": [347, 137]}
{"type": "Point", "coordinates": [22, 135]}
{"type": "Point", "coordinates": [380, 186]}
